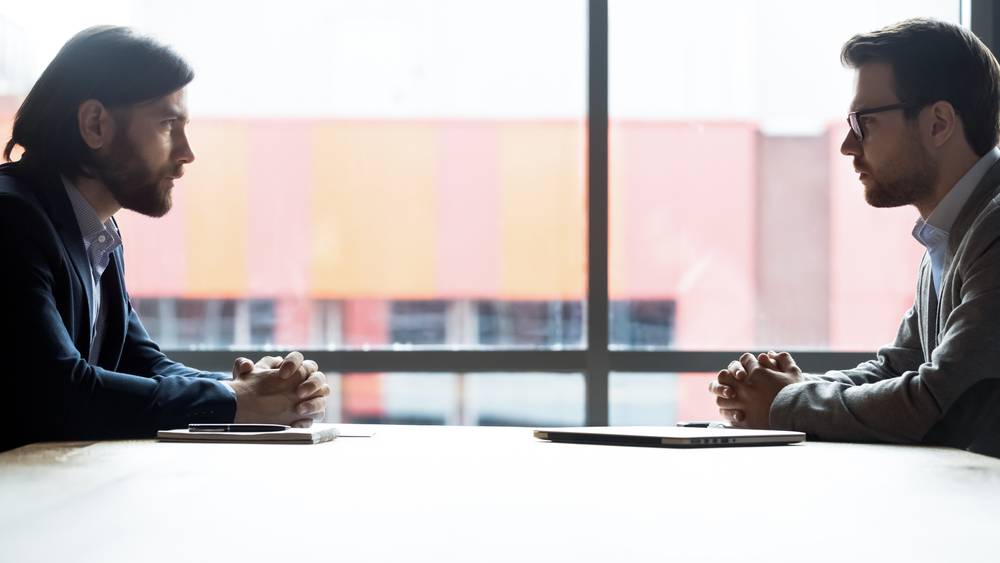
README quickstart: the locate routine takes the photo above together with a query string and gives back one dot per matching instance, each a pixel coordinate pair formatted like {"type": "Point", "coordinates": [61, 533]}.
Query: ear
{"type": "Point", "coordinates": [944, 123]}
{"type": "Point", "coordinates": [96, 124]}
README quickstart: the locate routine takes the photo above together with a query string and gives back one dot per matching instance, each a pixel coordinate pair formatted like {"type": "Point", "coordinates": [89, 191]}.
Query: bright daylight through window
{"type": "Point", "coordinates": [403, 175]}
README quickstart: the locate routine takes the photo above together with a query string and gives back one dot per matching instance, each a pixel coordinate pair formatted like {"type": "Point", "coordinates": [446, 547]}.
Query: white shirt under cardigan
{"type": "Point", "coordinates": [933, 232]}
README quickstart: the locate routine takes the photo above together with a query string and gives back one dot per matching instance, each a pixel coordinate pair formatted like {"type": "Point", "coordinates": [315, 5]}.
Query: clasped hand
{"type": "Point", "coordinates": [289, 390]}
{"type": "Point", "coordinates": [745, 390]}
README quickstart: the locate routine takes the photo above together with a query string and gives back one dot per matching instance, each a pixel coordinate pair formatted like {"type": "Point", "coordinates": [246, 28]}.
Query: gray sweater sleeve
{"type": "Point", "coordinates": [892, 360]}
{"type": "Point", "coordinates": [898, 397]}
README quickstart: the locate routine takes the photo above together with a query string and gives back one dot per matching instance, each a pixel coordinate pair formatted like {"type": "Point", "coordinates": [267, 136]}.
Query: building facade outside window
{"type": "Point", "coordinates": [430, 177]}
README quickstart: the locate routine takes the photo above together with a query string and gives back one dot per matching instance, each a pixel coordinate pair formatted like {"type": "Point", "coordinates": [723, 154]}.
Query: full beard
{"type": "Point", "coordinates": [133, 185]}
{"type": "Point", "coordinates": [914, 184]}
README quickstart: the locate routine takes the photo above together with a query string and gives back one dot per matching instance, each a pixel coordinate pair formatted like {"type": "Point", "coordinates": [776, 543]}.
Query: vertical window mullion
{"type": "Point", "coordinates": [597, 215]}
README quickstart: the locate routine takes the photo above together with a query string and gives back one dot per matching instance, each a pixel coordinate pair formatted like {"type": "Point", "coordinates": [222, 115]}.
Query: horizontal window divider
{"type": "Point", "coordinates": [810, 361]}
{"type": "Point", "coordinates": [516, 360]}
{"type": "Point", "coordinates": [423, 361]}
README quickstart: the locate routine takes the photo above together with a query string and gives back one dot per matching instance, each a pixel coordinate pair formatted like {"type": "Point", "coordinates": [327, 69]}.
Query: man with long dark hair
{"type": "Point", "coordinates": [923, 131]}
{"type": "Point", "coordinates": [104, 129]}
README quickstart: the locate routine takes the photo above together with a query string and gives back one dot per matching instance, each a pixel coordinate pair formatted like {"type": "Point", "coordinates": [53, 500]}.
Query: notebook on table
{"type": "Point", "coordinates": [669, 436]}
{"type": "Point", "coordinates": [315, 434]}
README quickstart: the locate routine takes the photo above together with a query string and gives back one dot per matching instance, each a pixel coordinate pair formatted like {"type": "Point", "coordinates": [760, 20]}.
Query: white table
{"type": "Point", "coordinates": [494, 494]}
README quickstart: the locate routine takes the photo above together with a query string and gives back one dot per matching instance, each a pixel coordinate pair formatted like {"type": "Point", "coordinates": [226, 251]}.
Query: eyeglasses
{"type": "Point", "coordinates": [854, 118]}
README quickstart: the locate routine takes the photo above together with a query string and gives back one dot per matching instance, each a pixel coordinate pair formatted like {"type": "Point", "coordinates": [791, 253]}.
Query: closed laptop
{"type": "Point", "coordinates": [670, 436]}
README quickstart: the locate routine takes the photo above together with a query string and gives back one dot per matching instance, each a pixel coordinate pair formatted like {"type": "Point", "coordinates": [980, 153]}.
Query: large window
{"type": "Point", "coordinates": [407, 190]}
{"type": "Point", "coordinates": [728, 192]}
{"type": "Point", "coordinates": [404, 160]}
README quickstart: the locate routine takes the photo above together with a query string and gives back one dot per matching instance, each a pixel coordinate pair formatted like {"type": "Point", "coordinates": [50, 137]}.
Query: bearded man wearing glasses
{"type": "Point", "coordinates": [924, 129]}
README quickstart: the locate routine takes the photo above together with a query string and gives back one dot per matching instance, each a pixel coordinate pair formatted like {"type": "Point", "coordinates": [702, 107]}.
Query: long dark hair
{"type": "Point", "coordinates": [110, 64]}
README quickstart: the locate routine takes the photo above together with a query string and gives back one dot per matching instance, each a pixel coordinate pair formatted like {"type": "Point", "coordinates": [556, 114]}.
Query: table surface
{"type": "Point", "coordinates": [494, 494]}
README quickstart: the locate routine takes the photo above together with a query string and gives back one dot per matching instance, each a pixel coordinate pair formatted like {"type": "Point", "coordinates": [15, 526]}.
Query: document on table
{"type": "Point", "coordinates": [315, 434]}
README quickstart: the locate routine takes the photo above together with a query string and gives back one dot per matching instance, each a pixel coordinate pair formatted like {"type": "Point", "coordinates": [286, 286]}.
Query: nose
{"type": "Point", "coordinates": [184, 154]}
{"type": "Point", "coordinates": [851, 145]}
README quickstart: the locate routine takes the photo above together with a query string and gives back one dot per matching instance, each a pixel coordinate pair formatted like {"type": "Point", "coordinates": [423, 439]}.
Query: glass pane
{"type": "Point", "coordinates": [368, 173]}
{"type": "Point", "coordinates": [660, 399]}
{"type": "Point", "coordinates": [482, 399]}
{"type": "Point", "coordinates": [735, 222]}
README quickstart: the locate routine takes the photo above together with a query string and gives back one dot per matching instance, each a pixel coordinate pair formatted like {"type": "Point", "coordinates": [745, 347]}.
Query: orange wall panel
{"type": "Point", "coordinates": [373, 211]}
{"type": "Point", "coordinates": [543, 229]}
{"type": "Point", "coordinates": [217, 212]}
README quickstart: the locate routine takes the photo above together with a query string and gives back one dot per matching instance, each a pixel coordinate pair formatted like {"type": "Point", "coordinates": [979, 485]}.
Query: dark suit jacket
{"type": "Point", "coordinates": [48, 389]}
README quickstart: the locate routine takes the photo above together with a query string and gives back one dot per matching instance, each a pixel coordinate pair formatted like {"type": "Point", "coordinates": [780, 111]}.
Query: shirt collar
{"type": "Point", "coordinates": [928, 235]}
{"type": "Point", "coordinates": [944, 215]}
{"type": "Point", "coordinates": [87, 219]}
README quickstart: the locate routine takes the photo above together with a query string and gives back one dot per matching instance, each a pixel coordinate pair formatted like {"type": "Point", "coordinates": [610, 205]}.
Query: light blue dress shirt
{"type": "Point", "coordinates": [100, 240]}
{"type": "Point", "coordinates": [933, 232]}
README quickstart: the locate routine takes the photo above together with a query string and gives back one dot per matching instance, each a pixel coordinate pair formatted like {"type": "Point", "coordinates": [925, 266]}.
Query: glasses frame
{"type": "Point", "coordinates": [854, 118]}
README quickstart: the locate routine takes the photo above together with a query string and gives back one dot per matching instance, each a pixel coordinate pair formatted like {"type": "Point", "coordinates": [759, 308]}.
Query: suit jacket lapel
{"type": "Point", "coordinates": [116, 316]}
{"type": "Point", "coordinates": [61, 213]}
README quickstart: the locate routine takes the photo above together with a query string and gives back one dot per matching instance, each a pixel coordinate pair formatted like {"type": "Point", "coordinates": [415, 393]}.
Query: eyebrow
{"type": "Point", "coordinates": [173, 113]}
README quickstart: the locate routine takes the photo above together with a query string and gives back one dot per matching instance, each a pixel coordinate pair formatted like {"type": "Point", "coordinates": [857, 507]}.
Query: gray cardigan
{"type": "Point", "coordinates": [939, 382]}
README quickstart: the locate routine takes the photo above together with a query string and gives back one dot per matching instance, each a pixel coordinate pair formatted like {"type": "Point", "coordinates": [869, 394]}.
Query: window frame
{"type": "Point", "coordinates": [597, 359]}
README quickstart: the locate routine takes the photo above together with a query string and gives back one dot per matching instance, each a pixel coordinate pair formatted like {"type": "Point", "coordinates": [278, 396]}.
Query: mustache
{"type": "Point", "coordinates": [859, 166]}
{"type": "Point", "coordinates": [175, 173]}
